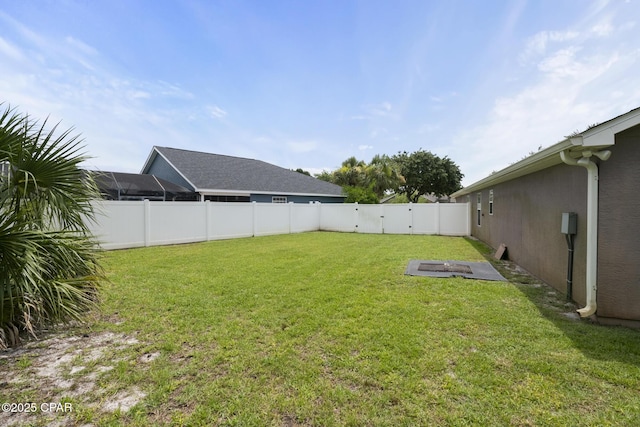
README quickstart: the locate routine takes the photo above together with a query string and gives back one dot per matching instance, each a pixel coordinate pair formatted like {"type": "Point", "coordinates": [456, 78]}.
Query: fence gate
{"type": "Point", "coordinates": [370, 219]}
{"type": "Point", "coordinates": [397, 219]}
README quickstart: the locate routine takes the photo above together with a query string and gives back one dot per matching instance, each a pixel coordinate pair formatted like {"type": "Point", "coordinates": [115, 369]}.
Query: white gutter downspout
{"type": "Point", "coordinates": [592, 222]}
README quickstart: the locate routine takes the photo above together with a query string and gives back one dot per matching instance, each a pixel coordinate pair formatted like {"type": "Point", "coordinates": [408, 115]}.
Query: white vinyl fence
{"type": "Point", "coordinates": [121, 224]}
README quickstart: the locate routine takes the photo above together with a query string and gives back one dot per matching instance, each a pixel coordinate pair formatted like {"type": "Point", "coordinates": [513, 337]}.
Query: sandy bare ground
{"type": "Point", "coordinates": [50, 381]}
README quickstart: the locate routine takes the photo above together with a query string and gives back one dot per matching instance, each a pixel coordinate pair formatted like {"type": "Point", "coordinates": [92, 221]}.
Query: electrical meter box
{"type": "Point", "coordinates": [569, 223]}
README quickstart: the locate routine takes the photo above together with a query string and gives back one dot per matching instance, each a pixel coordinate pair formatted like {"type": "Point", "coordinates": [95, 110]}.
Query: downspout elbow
{"type": "Point", "coordinates": [568, 159]}
{"type": "Point", "coordinates": [588, 310]}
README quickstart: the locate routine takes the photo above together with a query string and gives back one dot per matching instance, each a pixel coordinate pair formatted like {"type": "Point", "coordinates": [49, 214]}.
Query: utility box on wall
{"type": "Point", "coordinates": [569, 223]}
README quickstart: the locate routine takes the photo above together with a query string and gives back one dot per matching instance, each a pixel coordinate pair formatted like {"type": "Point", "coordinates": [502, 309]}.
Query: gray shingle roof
{"type": "Point", "coordinates": [208, 171]}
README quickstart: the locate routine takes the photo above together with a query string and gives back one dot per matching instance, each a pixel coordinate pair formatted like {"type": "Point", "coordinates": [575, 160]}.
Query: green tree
{"type": "Point", "coordinates": [426, 173]}
{"type": "Point", "coordinates": [360, 195]}
{"type": "Point", "coordinates": [378, 177]}
{"type": "Point", "coordinates": [383, 175]}
{"type": "Point", "coordinates": [49, 271]}
{"type": "Point", "coordinates": [302, 171]}
{"type": "Point", "coordinates": [352, 173]}
{"type": "Point", "coordinates": [325, 176]}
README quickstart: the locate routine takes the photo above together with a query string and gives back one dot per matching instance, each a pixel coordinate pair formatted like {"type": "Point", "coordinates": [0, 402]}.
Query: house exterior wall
{"type": "Point", "coordinates": [527, 214]}
{"type": "Point", "coordinates": [162, 169]}
{"type": "Point", "coordinates": [267, 198]}
{"type": "Point", "coordinates": [619, 229]}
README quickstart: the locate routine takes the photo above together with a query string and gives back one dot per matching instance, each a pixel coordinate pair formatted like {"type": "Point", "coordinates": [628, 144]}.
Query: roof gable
{"type": "Point", "coordinates": [216, 172]}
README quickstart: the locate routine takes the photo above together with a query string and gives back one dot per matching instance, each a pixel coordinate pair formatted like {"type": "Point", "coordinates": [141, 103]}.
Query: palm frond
{"type": "Point", "coordinates": [49, 271]}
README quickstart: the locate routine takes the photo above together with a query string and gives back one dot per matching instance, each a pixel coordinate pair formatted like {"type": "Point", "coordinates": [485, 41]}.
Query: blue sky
{"type": "Point", "coordinates": [309, 83]}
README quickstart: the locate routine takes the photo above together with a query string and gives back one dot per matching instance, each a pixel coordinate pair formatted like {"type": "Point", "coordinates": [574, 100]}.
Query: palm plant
{"type": "Point", "coordinates": [351, 173]}
{"type": "Point", "coordinates": [383, 175]}
{"type": "Point", "coordinates": [49, 270]}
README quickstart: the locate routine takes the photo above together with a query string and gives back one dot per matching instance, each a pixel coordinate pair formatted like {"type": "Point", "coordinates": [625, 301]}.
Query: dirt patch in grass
{"type": "Point", "coordinates": [56, 380]}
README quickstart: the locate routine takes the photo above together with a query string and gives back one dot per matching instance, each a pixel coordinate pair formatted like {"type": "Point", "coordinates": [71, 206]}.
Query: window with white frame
{"type": "Point", "coordinates": [490, 202]}
{"type": "Point", "coordinates": [278, 199]}
{"type": "Point", "coordinates": [479, 208]}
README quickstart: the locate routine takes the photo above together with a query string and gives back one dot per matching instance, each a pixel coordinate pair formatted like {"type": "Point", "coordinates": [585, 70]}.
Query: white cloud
{"type": "Point", "coordinates": [382, 110]}
{"type": "Point", "coordinates": [262, 140]}
{"type": "Point", "coordinates": [139, 94]}
{"type": "Point", "coordinates": [171, 90]}
{"type": "Point", "coordinates": [80, 46]}
{"type": "Point", "coordinates": [575, 88]}
{"type": "Point", "coordinates": [9, 50]}
{"type": "Point", "coordinates": [374, 111]}
{"type": "Point", "coordinates": [365, 147]}
{"type": "Point", "coordinates": [562, 63]}
{"type": "Point", "coordinates": [378, 131]}
{"type": "Point", "coordinates": [428, 128]}
{"type": "Point", "coordinates": [602, 29]}
{"type": "Point", "coordinates": [217, 112]}
{"type": "Point", "coordinates": [537, 45]}
{"type": "Point", "coordinates": [573, 78]}
{"type": "Point", "coordinates": [119, 117]}
{"type": "Point", "coordinates": [302, 146]}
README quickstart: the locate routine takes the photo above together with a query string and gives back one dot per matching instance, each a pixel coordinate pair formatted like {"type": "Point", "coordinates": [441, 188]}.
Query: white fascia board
{"type": "Point", "coordinates": [603, 135]}
{"type": "Point", "coordinates": [152, 155]}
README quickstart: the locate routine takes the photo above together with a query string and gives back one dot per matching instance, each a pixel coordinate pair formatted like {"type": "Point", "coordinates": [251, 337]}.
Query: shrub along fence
{"type": "Point", "coordinates": [121, 224]}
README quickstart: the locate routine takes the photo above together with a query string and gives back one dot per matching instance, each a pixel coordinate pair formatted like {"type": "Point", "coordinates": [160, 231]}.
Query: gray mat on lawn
{"type": "Point", "coordinates": [468, 270]}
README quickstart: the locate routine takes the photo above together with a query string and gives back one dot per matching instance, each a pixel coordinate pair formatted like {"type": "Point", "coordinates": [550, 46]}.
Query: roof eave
{"type": "Point", "coordinates": [597, 137]}
{"type": "Point", "coordinates": [543, 159]}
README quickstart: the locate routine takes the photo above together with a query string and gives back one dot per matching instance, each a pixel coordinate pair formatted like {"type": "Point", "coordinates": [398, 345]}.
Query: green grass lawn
{"type": "Point", "coordinates": [324, 329]}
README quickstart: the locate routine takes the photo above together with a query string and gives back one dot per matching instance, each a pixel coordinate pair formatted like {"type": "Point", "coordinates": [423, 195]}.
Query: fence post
{"type": "Point", "coordinates": [411, 218]}
{"type": "Point", "coordinates": [207, 213]}
{"type": "Point", "coordinates": [319, 211]}
{"type": "Point", "coordinates": [290, 215]}
{"type": "Point", "coordinates": [469, 216]}
{"type": "Point", "coordinates": [255, 218]}
{"type": "Point", "coordinates": [356, 216]}
{"type": "Point", "coordinates": [437, 216]}
{"type": "Point", "coordinates": [147, 222]}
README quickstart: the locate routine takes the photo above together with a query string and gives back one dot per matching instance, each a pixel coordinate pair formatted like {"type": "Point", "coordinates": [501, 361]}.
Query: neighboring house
{"type": "Point", "coordinates": [131, 186]}
{"type": "Point", "coordinates": [595, 174]}
{"type": "Point", "coordinates": [435, 199]}
{"type": "Point", "coordinates": [429, 198]}
{"type": "Point", "coordinates": [389, 198]}
{"type": "Point", "coordinates": [222, 178]}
